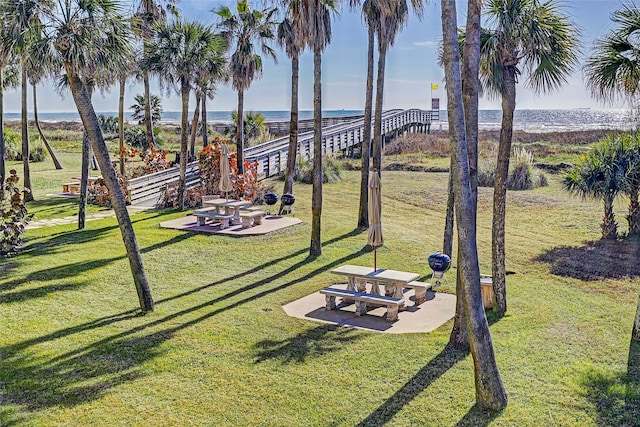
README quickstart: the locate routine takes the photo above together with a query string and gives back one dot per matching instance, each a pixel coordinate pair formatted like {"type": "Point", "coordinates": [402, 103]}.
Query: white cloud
{"type": "Point", "coordinates": [427, 43]}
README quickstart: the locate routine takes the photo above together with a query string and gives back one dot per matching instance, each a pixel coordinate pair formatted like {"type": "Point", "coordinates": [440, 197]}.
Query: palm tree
{"type": "Point", "coordinates": [318, 14]}
{"type": "Point", "coordinates": [393, 15]}
{"type": "Point", "coordinates": [630, 146]}
{"type": "Point", "coordinates": [150, 14]}
{"type": "Point", "coordinates": [247, 28]}
{"type": "Point", "coordinates": [524, 36]}
{"type": "Point", "coordinates": [8, 79]}
{"type": "Point", "coordinates": [207, 78]}
{"type": "Point", "coordinates": [293, 36]}
{"type": "Point", "coordinates": [459, 337]}
{"type": "Point", "coordinates": [490, 392]}
{"type": "Point", "coordinates": [371, 15]}
{"type": "Point", "coordinates": [176, 52]}
{"type": "Point", "coordinates": [613, 69]}
{"type": "Point", "coordinates": [139, 107]}
{"type": "Point", "coordinates": [78, 31]}
{"type": "Point", "coordinates": [600, 175]}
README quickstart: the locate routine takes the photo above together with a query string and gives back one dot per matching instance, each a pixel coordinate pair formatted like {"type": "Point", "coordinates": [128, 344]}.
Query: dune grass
{"type": "Point", "coordinates": [219, 349]}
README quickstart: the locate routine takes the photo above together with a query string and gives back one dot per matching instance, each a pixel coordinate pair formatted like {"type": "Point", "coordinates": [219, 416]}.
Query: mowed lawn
{"type": "Point", "coordinates": [220, 351]}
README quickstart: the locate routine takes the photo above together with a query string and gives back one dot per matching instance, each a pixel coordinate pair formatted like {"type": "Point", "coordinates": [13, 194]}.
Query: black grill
{"type": "Point", "coordinates": [270, 198]}
{"type": "Point", "coordinates": [288, 199]}
{"type": "Point", "coordinates": [439, 262]}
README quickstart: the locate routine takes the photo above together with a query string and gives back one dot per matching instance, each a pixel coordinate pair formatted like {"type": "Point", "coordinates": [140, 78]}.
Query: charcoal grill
{"type": "Point", "coordinates": [286, 203]}
{"type": "Point", "coordinates": [440, 264]}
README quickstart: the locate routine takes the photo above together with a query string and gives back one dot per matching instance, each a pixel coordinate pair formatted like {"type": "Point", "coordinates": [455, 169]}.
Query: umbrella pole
{"type": "Point", "coordinates": [374, 258]}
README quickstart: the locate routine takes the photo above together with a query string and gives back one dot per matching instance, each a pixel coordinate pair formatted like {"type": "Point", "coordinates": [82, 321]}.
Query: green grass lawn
{"type": "Point", "coordinates": [219, 350]}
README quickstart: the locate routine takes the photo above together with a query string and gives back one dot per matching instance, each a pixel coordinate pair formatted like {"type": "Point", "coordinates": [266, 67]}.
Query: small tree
{"type": "Point", "coordinates": [138, 109]}
{"type": "Point", "coordinates": [14, 216]}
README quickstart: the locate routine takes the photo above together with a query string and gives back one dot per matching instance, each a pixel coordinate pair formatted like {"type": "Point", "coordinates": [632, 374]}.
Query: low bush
{"type": "Point", "coordinates": [12, 145]}
{"type": "Point", "coordinates": [98, 193]}
{"type": "Point", "coordinates": [37, 154]}
{"type": "Point", "coordinates": [331, 170]}
{"type": "Point", "coordinates": [14, 216]}
{"type": "Point", "coordinates": [522, 174]}
{"type": "Point", "coordinates": [108, 124]}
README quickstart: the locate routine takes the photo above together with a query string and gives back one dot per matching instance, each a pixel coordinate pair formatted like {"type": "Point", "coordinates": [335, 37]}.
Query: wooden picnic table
{"type": "Point", "coordinates": [359, 276]}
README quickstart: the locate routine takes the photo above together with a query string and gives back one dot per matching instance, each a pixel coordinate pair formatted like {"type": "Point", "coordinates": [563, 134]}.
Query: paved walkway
{"type": "Point", "coordinates": [74, 218]}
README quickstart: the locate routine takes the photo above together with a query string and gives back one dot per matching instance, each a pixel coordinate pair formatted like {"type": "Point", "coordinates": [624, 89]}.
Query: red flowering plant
{"type": "Point", "coordinates": [245, 186]}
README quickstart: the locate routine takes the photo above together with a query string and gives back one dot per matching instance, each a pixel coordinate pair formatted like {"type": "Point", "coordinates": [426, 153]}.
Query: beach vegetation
{"type": "Point", "coordinates": [331, 171]}
{"type": "Point", "coordinates": [14, 216]}
{"type": "Point", "coordinates": [246, 31]}
{"type": "Point", "coordinates": [138, 109]}
{"type": "Point", "coordinates": [522, 38]}
{"type": "Point", "coordinates": [253, 127]}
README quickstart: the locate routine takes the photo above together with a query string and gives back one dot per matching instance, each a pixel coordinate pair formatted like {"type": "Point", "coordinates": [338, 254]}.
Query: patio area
{"type": "Point", "coordinates": [426, 317]}
{"type": "Point", "coordinates": [269, 224]}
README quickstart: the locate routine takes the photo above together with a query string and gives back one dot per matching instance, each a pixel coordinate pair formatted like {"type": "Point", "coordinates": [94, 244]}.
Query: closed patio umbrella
{"type": "Point", "coordinates": [225, 173]}
{"type": "Point", "coordinates": [375, 210]}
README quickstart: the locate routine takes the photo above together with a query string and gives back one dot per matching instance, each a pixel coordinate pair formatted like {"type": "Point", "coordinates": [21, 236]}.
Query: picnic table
{"type": "Point", "coordinates": [359, 276]}
{"type": "Point", "coordinates": [230, 206]}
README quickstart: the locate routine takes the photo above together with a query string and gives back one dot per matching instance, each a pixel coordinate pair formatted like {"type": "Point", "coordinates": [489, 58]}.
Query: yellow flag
{"type": "Point", "coordinates": [434, 86]}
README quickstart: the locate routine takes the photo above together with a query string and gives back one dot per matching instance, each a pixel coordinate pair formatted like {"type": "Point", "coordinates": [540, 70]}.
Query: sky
{"type": "Point", "coordinates": [411, 68]}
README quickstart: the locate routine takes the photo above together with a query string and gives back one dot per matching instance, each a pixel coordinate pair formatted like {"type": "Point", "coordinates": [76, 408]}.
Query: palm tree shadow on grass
{"type": "Point", "coordinates": [312, 343]}
{"type": "Point", "coordinates": [616, 397]}
{"type": "Point", "coordinates": [77, 376]}
{"type": "Point", "coordinates": [609, 259]}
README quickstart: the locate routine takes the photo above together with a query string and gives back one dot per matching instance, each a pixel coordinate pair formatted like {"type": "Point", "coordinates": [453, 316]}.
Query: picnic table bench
{"type": "Point", "coordinates": [203, 214]}
{"type": "Point", "coordinates": [361, 300]}
{"type": "Point", "coordinates": [251, 217]}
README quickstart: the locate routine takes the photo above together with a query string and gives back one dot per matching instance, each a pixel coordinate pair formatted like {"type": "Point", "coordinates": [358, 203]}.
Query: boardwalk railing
{"type": "Point", "coordinates": [272, 156]}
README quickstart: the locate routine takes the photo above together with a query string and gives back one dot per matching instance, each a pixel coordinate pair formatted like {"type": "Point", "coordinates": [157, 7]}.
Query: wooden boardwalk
{"type": "Point", "coordinates": [272, 156]}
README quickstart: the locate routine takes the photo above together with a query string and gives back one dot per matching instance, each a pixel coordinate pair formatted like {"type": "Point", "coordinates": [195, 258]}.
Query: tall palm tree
{"type": "Point", "coordinates": [22, 20]}
{"type": "Point", "coordinates": [613, 68]}
{"type": "Point", "coordinates": [8, 79]}
{"type": "Point", "coordinates": [250, 30]}
{"type": "Point", "coordinates": [371, 15]}
{"type": "Point", "coordinates": [393, 15]}
{"type": "Point", "coordinates": [318, 14]}
{"type": "Point", "coordinates": [524, 36]}
{"type": "Point", "coordinates": [459, 337]}
{"type": "Point", "coordinates": [150, 14]}
{"type": "Point", "coordinates": [490, 392]}
{"type": "Point", "coordinates": [600, 175]}
{"type": "Point", "coordinates": [78, 31]}
{"type": "Point", "coordinates": [176, 53]}
{"type": "Point", "coordinates": [293, 36]}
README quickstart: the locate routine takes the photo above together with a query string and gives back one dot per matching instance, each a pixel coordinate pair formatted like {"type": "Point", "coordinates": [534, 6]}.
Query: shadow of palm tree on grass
{"type": "Point", "coordinates": [616, 397]}
{"type": "Point", "coordinates": [602, 259]}
{"type": "Point", "coordinates": [312, 343]}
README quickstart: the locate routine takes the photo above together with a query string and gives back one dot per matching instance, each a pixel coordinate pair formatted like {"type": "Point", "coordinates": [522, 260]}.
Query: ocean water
{"type": "Point", "coordinates": [528, 120]}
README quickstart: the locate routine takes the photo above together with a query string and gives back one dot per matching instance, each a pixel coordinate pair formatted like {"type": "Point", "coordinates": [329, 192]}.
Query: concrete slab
{"type": "Point", "coordinates": [428, 316]}
{"type": "Point", "coordinates": [269, 223]}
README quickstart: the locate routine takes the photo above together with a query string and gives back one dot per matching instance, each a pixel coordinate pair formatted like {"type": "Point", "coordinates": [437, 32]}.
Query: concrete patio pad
{"type": "Point", "coordinates": [428, 316]}
{"type": "Point", "coordinates": [269, 223]}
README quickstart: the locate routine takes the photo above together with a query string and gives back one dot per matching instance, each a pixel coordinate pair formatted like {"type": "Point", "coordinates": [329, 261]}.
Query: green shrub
{"type": "Point", "coordinates": [108, 124]}
{"type": "Point", "coordinates": [487, 174]}
{"type": "Point", "coordinates": [37, 154]}
{"type": "Point", "coordinates": [13, 145]}
{"type": "Point", "coordinates": [331, 170]}
{"type": "Point", "coordinates": [14, 216]}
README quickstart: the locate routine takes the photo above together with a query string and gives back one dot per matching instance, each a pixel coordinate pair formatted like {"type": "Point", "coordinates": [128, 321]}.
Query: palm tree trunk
{"type": "Point", "coordinates": [316, 198]}
{"type": "Point", "coordinates": [148, 117]}
{"type": "Point", "coordinates": [293, 130]}
{"type": "Point", "coordinates": [91, 124]}
{"type": "Point", "coordinates": [240, 133]}
{"type": "Point", "coordinates": [3, 148]}
{"type": "Point", "coordinates": [459, 337]}
{"type": "Point", "coordinates": [635, 333]}
{"type": "Point", "coordinates": [194, 128]}
{"type": "Point", "coordinates": [634, 214]}
{"type": "Point", "coordinates": [28, 195]}
{"type": "Point", "coordinates": [205, 126]}
{"type": "Point", "coordinates": [447, 244]}
{"type": "Point", "coordinates": [184, 91]}
{"type": "Point", "coordinates": [55, 160]}
{"type": "Point", "coordinates": [500, 192]}
{"type": "Point", "coordinates": [490, 392]}
{"type": "Point", "coordinates": [609, 225]}
{"type": "Point", "coordinates": [121, 125]}
{"type": "Point", "coordinates": [363, 208]}
{"type": "Point", "coordinates": [377, 122]}
{"type": "Point", "coordinates": [84, 171]}
{"type": "Point", "coordinates": [84, 179]}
